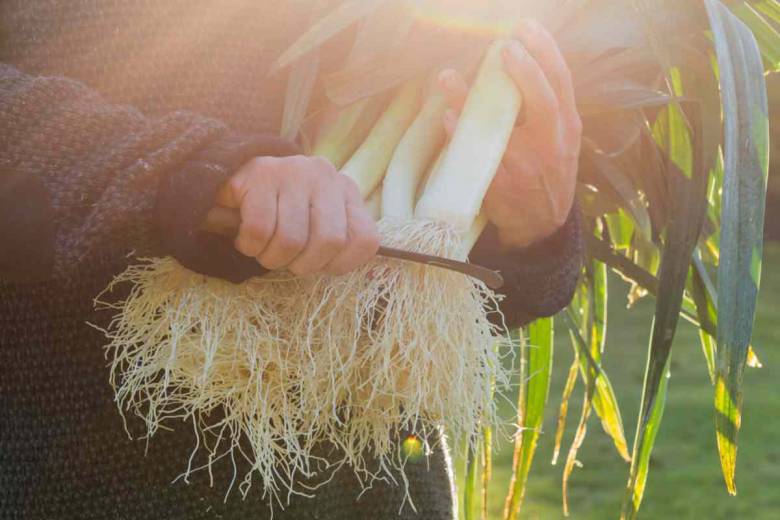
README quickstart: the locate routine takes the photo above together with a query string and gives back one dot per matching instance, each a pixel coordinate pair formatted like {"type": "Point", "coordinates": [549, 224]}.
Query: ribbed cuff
{"type": "Point", "coordinates": [539, 280]}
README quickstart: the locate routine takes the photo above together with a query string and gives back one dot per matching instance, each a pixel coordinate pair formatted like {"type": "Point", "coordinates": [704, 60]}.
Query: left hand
{"type": "Point", "coordinates": [533, 191]}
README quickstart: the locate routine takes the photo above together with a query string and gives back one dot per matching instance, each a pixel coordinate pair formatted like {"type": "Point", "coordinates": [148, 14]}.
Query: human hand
{"type": "Point", "coordinates": [300, 214]}
{"type": "Point", "coordinates": [533, 190]}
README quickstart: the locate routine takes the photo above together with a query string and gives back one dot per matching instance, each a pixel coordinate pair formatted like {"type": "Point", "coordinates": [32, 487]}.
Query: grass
{"type": "Point", "coordinates": [685, 479]}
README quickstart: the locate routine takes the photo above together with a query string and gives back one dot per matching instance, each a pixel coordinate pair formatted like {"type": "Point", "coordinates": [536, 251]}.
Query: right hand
{"type": "Point", "coordinates": [298, 213]}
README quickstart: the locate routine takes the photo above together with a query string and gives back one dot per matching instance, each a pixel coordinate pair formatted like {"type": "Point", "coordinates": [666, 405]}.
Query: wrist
{"type": "Point", "coordinates": [516, 237]}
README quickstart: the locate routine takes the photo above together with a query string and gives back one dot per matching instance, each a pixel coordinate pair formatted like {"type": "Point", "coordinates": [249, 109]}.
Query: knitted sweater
{"type": "Point", "coordinates": [114, 113]}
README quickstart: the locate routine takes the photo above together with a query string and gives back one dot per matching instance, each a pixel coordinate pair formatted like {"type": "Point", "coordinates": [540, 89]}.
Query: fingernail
{"type": "Point", "coordinates": [515, 49]}
{"type": "Point", "coordinates": [447, 79]}
{"type": "Point", "coordinates": [529, 26]}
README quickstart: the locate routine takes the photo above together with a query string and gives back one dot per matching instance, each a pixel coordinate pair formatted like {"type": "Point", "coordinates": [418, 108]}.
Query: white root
{"type": "Point", "coordinates": [286, 364]}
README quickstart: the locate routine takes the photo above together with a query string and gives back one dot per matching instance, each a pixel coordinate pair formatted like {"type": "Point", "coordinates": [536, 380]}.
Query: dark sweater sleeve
{"type": "Point", "coordinates": [539, 280]}
{"type": "Point", "coordinates": [79, 175]}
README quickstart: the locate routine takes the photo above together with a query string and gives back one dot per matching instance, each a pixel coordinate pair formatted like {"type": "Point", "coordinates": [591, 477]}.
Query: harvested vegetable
{"type": "Point", "coordinates": [285, 364]}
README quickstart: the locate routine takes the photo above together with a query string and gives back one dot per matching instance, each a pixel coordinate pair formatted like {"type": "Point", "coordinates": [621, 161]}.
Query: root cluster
{"type": "Point", "coordinates": [273, 367]}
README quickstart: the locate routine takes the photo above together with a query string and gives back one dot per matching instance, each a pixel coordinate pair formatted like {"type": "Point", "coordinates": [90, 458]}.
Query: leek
{"type": "Point", "coordinates": [288, 358]}
{"type": "Point", "coordinates": [425, 181]}
{"type": "Point", "coordinates": [413, 155]}
{"type": "Point", "coordinates": [477, 146]}
{"type": "Point", "coordinates": [369, 163]}
{"type": "Point", "coordinates": [338, 138]}
{"type": "Point", "coordinates": [470, 237]}
{"type": "Point", "coordinates": [374, 203]}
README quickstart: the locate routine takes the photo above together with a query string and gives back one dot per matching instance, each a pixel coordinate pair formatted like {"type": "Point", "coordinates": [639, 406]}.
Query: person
{"type": "Point", "coordinates": [122, 123]}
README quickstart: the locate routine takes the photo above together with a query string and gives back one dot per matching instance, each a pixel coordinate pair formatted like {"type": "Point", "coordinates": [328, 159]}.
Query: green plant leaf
{"type": "Point", "coordinates": [597, 288]}
{"type": "Point", "coordinates": [612, 134]}
{"type": "Point", "coordinates": [640, 467]}
{"type": "Point", "coordinates": [471, 488]}
{"type": "Point", "coordinates": [687, 175]}
{"type": "Point", "coordinates": [706, 310]}
{"type": "Point", "coordinates": [606, 406]}
{"type": "Point", "coordinates": [616, 181]}
{"type": "Point", "coordinates": [300, 87]}
{"type": "Point", "coordinates": [769, 8]}
{"type": "Point", "coordinates": [621, 228]}
{"type": "Point", "coordinates": [622, 265]}
{"type": "Point", "coordinates": [384, 28]}
{"type": "Point", "coordinates": [650, 178]}
{"type": "Point", "coordinates": [532, 400]}
{"type": "Point", "coordinates": [487, 468]}
{"type": "Point", "coordinates": [576, 444]}
{"type": "Point", "coordinates": [634, 274]}
{"type": "Point", "coordinates": [418, 55]}
{"type": "Point", "coordinates": [766, 35]}
{"type": "Point", "coordinates": [325, 28]}
{"type": "Point", "coordinates": [746, 151]}
{"type": "Point", "coordinates": [589, 374]}
{"type": "Point", "coordinates": [603, 396]}
{"type": "Point", "coordinates": [563, 411]}
{"type": "Point", "coordinates": [618, 95]}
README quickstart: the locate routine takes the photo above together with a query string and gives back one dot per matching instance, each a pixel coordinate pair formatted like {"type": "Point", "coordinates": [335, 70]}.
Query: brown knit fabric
{"type": "Point", "coordinates": [64, 453]}
{"type": "Point", "coordinates": [98, 100]}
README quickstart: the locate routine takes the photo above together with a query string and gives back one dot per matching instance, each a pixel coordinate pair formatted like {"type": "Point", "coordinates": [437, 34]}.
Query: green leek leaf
{"type": "Point", "coordinates": [687, 175]}
{"type": "Point", "coordinates": [746, 155]}
{"type": "Point", "coordinates": [531, 403]}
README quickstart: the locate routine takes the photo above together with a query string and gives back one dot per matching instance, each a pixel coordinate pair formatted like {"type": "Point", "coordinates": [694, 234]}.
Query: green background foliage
{"type": "Point", "coordinates": [685, 482]}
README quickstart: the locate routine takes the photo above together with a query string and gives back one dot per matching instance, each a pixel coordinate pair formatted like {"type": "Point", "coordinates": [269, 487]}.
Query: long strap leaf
{"type": "Point", "coordinates": [602, 396]}
{"type": "Point", "coordinates": [591, 371]}
{"type": "Point", "coordinates": [604, 400]}
{"type": "Point", "coordinates": [300, 87]}
{"type": "Point", "coordinates": [471, 489]}
{"type": "Point", "coordinates": [571, 382]}
{"type": "Point", "coordinates": [706, 310]}
{"type": "Point", "coordinates": [768, 38]}
{"type": "Point", "coordinates": [344, 15]}
{"type": "Point", "coordinates": [687, 175]}
{"type": "Point", "coordinates": [746, 154]}
{"type": "Point", "coordinates": [531, 403]}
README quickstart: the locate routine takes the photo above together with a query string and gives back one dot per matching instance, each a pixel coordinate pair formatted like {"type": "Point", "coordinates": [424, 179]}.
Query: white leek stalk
{"type": "Point", "coordinates": [474, 153]}
{"type": "Point", "coordinates": [425, 181]}
{"type": "Point", "coordinates": [369, 163]}
{"type": "Point", "coordinates": [470, 237]}
{"type": "Point", "coordinates": [374, 203]}
{"type": "Point", "coordinates": [412, 157]}
{"type": "Point", "coordinates": [338, 138]}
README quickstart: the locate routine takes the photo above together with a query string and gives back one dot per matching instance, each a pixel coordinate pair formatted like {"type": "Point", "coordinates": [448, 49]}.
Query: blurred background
{"type": "Point", "coordinates": [685, 480]}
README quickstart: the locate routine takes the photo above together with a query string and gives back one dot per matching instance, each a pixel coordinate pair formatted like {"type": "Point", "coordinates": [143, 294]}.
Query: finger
{"type": "Point", "coordinates": [292, 229]}
{"type": "Point", "coordinates": [363, 241]}
{"type": "Point", "coordinates": [542, 195]}
{"type": "Point", "coordinates": [454, 88]}
{"type": "Point", "coordinates": [233, 191]}
{"type": "Point", "coordinates": [542, 46]}
{"type": "Point", "coordinates": [226, 197]}
{"type": "Point", "coordinates": [450, 121]}
{"type": "Point", "coordinates": [539, 98]}
{"type": "Point", "coordinates": [502, 209]}
{"type": "Point", "coordinates": [328, 230]}
{"type": "Point", "coordinates": [258, 222]}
